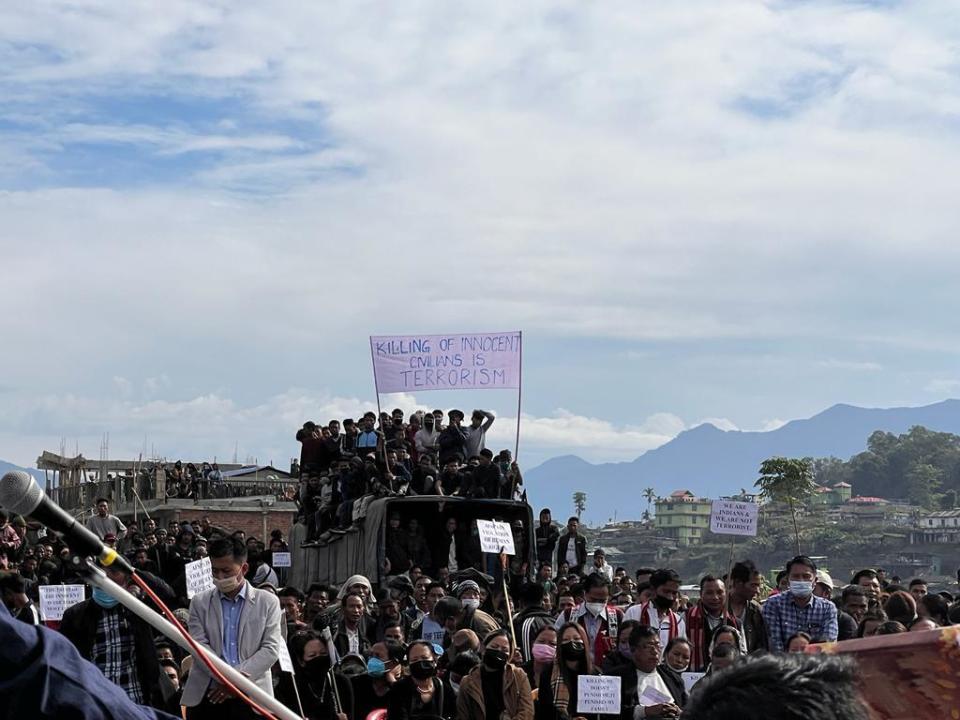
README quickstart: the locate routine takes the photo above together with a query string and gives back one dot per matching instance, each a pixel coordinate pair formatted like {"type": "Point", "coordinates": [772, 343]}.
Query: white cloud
{"type": "Point", "coordinates": [853, 365]}
{"type": "Point", "coordinates": [720, 423]}
{"type": "Point", "coordinates": [772, 424]}
{"type": "Point", "coordinates": [680, 171]}
{"type": "Point", "coordinates": [943, 386]}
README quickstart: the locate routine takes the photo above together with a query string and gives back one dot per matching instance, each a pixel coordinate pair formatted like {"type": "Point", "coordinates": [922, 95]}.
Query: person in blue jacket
{"type": "Point", "coordinates": [43, 676]}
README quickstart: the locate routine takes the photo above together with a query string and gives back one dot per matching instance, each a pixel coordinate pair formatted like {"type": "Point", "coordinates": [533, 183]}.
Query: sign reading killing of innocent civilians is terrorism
{"type": "Point", "coordinates": [482, 361]}
{"type": "Point", "coordinates": [729, 517]}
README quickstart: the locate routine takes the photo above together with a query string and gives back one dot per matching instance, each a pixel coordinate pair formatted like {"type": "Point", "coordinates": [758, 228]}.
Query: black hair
{"type": "Point", "coordinates": [595, 580]}
{"type": "Point", "coordinates": [663, 576]}
{"type": "Point", "coordinates": [642, 632]}
{"type": "Point", "coordinates": [674, 642]}
{"type": "Point", "coordinates": [12, 582]}
{"type": "Point", "coordinates": [866, 572]}
{"type": "Point", "coordinates": [743, 571]}
{"type": "Point", "coordinates": [801, 560]}
{"type": "Point", "coordinates": [343, 600]}
{"type": "Point", "coordinates": [781, 575]}
{"type": "Point", "coordinates": [425, 643]}
{"type": "Point", "coordinates": [850, 591]}
{"type": "Point", "coordinates": [463, 663]}
{"type": "Point", "coordinates": [788, 687]}
{"type": "Point", "coordinates": [917, 581]}
{"type": "Point", "coordinates": [572, 518]}
{"type": "Point", "coordinates": [100, 500]}
{"type": "Point", "coordinates": [546, 510]}
{"type": "Point", "coordinates": [708, 578]}
{"type": "Point", "coordinates": [725, 650]}
{"type": "Point", "coordinates": [293, 592]}
{"type": "Point", "coordinates": [531, 594]}
{"type": "Point", "coordinates": [446, 607]}
{"type": "Point", "coordinates": [317, 587]}
{"type": "Point", "coordinates": [937, 608]}
{"type": "Point", "coordinates": [224, 547]}
{"type": "Point", "coordinates": [795, 636]}
{"type": "Point", "coordinates": [890, 627]}
{"type": "Point", "coordinates": [298, 641]}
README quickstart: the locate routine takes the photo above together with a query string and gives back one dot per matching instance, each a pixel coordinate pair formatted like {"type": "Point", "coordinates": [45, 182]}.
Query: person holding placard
{"type": "Point", "coordinates": [497, 688]}
{"type": "Point", "coordinates": [315, 681]}
{"type": "Point", "coordinates": [118, 642]}
{"type": "Point", "coordinates": [648, 691]}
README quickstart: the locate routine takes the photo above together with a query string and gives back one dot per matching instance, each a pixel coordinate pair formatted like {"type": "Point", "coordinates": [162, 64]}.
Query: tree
{"type": "Point", "coordinates": [579, 502]}
{"type": "Point", "coordinates": [948, 501]}
{"type": "Point", "coordinates": [786, 480]}
{"type": "Point", "coordinates": [650, 494]}
{"type": "Point", "coordinates": [923, 482]}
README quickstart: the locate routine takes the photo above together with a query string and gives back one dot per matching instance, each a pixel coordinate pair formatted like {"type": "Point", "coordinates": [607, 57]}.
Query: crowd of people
{"type": "Point", "coordinates": [344, 465]}
{"type": "Point", "coordinates": [437, 639]}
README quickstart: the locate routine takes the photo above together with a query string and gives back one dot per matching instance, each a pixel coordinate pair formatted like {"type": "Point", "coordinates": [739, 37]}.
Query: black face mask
{"type": "Point", "coordinates": [495, 659]}
{"type": "Point", "coordinates": [317, 668]}
{"type": "Point", "coordinates": [573, 650]}
{"type": "Point", "coordinates": [662, 603]}
{"type": "Point", "coordinates": [423, 669]}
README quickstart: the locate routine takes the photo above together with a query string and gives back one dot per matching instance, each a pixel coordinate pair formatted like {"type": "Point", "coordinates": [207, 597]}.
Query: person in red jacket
{"type": "Point", "coordinates": [599, 620]}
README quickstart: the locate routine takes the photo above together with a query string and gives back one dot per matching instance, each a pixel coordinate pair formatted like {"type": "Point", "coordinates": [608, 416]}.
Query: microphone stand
{"type": "Point", "coordinates": [98, 578]}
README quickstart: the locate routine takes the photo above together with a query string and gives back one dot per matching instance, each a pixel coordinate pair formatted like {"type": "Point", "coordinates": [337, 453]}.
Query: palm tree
{"type": "Point", "coordinates": [786, 480]}
{"type": "Point", "coordinates": [650, 494]}
{"type": "Point", "coordinates": [579, 502]}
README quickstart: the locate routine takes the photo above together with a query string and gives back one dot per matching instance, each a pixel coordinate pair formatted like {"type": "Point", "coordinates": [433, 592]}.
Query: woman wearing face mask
{"type": "Point", "coordinates": [496, 689]}
{"type": "Point", "coordinates": [557, 685]}
{"type": "Point", "coordinates": [544, 653]}
{"type": "Point", "coordinates": [311, 663]}
{"type": "Point", "coordinates": [677, 656]}
{"type": "Point", "coordinates": [371, 690]}
{"type": "Point", "coordinates": [421, 694]}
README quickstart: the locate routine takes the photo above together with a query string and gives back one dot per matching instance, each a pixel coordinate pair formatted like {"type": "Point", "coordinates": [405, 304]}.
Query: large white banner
{"type": "Point", "coordinates": [410, 363]}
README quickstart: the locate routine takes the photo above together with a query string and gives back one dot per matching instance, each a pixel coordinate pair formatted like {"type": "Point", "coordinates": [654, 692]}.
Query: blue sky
{"type": "Point", "coordinates": [739, 213]}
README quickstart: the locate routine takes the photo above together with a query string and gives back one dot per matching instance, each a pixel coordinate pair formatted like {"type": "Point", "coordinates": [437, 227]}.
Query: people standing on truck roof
{"type": "Point", "coordinates": [476, 432]}
{"type": "Point", "coordinates": [453, 439]}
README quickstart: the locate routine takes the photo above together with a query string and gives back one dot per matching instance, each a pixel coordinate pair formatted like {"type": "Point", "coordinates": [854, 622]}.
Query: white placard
{"type": "Point", "coordinates": [199, 576]}
{"type": "Point", "coordinates": [690, 679]}
{"type": "Point", "coordinates": [55, 599]}
{"type": "Point", "coordinates": [495, 536]}
{"type": "Point", "coordinates": [286, 664]}
{"type": "Point", "coordinates": [651, 696]}
{"type": "Point", "coordinates": [598, 694]}
{"type": "Point", "coordinates": [729, 517]}
{"type": "Point", "coordinates": [281, 559]}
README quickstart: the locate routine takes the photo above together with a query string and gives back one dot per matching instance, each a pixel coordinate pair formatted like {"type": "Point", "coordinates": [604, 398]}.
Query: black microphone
{"type": "Point", "coordinates": [20, 493]}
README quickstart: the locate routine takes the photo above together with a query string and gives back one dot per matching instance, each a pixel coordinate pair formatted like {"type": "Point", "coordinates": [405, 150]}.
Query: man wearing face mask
{"type": "Point", "coordinates": [600, 621]}
{"type": "Point", "coordinates": [240, 624]}
{"type": "Point", "coordinates": [472, 617]}
{"type": "Point", "coordinates": [798, 610]}
{"type": "Point", "coordinates": [115, 640]}
{"type": "Point", "coordinates": [659, 611]}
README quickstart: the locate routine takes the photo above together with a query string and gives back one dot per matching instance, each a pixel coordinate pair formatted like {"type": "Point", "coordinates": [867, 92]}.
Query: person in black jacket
{"type": "Point", "coordinates": [311, 664]}
{"type": "Point", "coordinates": [421, 694]}
{"type": "Point", "coordinates": [547, 536]}
{"type": "Point", "coordinates": [452, 439]}
{"type": "Point", "coordinates": [116, 641]}
{"type": "Point", "coordinates": [576, 557]}
{"type": "Point", "coordinates": [645, 675]}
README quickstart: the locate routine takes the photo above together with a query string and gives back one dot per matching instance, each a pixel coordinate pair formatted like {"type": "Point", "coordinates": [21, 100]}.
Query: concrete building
{"type": "Point", "coordinates": [940, 527]}
{"type": "Point", "coordinates": [836, 495]}
{"type": "Point", "coordinates": [683, 517]}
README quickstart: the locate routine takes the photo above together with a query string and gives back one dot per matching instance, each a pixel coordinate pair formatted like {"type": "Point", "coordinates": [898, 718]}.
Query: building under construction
{"type": "Point", "coordinates": [252, 498]}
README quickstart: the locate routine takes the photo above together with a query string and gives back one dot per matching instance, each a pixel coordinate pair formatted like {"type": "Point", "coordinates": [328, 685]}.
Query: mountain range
{"type": "Point", "coordinates": [712, 463]}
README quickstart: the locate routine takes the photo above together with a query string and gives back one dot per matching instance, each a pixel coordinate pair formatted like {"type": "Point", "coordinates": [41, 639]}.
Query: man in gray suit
{"type": "Point", "coordinates": [240, 624]}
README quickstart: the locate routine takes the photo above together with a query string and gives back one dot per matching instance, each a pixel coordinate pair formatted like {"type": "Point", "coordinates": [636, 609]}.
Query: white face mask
{"type": "Point", "coordinates": [595, 608]}
{"type": "Point", "coordinates": [474, 604]}
{"type": "Point", "coordinates": [227, 585]}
